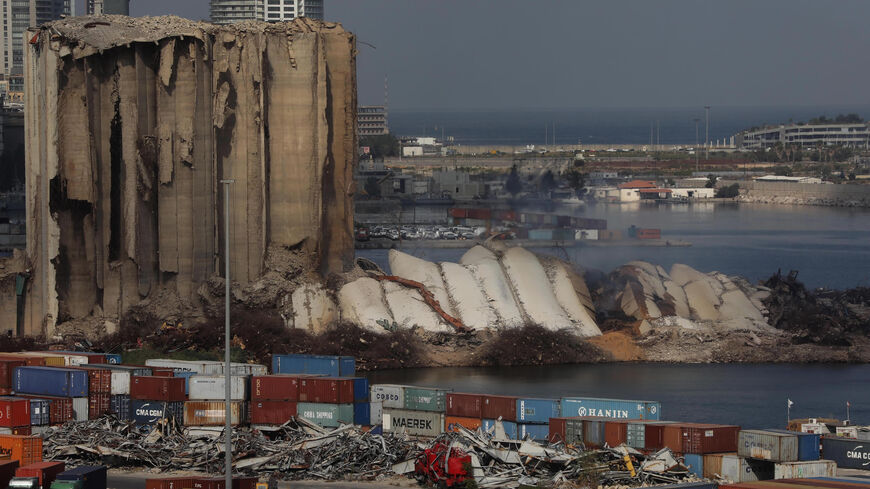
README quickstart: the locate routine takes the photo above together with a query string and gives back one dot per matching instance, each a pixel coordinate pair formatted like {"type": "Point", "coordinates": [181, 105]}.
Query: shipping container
{"type": "Point", "coordinates": [537, 432]}
{"type": "Point", "coordinates": [594, 432]}
{"type": "Point", "coordinates": [732, 467]}
{"type": "Point", "coordinates": [504, 407]}
{"type": "Point", "coordinates": [92, 357]}
{"type": "Point", "coordinates": [376, 413]}
{"type": "Point", "coordinates": [566, 430]}
{"type": "Point", "coordinates": [537, 410]}
{"type": "Point", "coordinates": [802, 470]}
{"type": "Point", "coordinates": [768, 445]}
{"type": "Point", "coordinates": [213, 413]}
{"type": "Point", "coordinates": [362, 413]}
{"type": "Point", "coordinates": [80, 407]}
{"type": "Point", "coordinates": [60, 409]}
{"type": "Point", "coordinates": [846, 453]}
{"type": "Point", "coordinates": [98, 405]}
{"type": "Point", "coordinates": [635, 434]}
{"type": "Point", "coordinates": [390, 395]}
{"type": "Point", "coordinates": [360, 389]}
{"type": "Point", "coordinates": [690, 485]}
{"type": "Point", "coordinates": [274, 388]}
{"type": "Point", "coordinates": [649, 234]}
{"type": "Point", "coordinates": [541, 234]}
{"type": "Point", "coordinates": [695, 463]}
{"type": "Point", "coordinates": [425, 399]}
{"type": "Point", "coordinates": [7, 368]}
{"type": "Point", "coordinates": [700, 438]}
{"type": "Point", "coordinates": [610, 408]}
{"type": "Point", "coordinates": [202, 367]}
{"type": "Point", "coordinates": [220, 483]}
{"type": "Point", "coordinates": [113, 358]}
{"type": "Point", "coordinates": [39, 412]}
{"type": "Point", "coordinates": [414, 423]}
{"type": "Point", "coordinates": [510, 428]}
{"type": "Point", "coordinates": [272, 412]}
{"type": "Point", "coordinates": [330, 390]}
{"type": "Point", "coordinates": [7, 471]}
{"type": "Point", "coordinates": [91, 476]}
{"type": "Point", "coordinates": [144, 412]}
{"type": "Point", "coordinates": [326, 415]}
{"type": "Point", "coordinates": [333, 366]}
{"type": "Point", "coordinates": [22, 448]}
{"type": "Point", "coordinates": [616, 432]}
{"type": "Point", "coordinates": [160, 371]}
{"type": "Point", "coordinates": [50, 381]}
{"type": "Point", "coordinates": [68, 359]}
{"type": "Point", "coordinates": [451, 423]}
{"type": "Point", "coordinates": [170, 483]}
{"type": "Point", "coordinates": [99, 379]}
{"type": "Point", "coordinates": [186, 376]}
{"type": "Point", "coordinates": [120, 406]}
{"type": "Point", "coordinates": [808, 444]}
{"type": "Point", "coordinates": [247, 369]}
{"type": "Point", "coordinates": [121, 375]}
{"type": "Point", "coordinates": [464, 405]}
{"type": "Point", "coordinates": [203, 387]}
{"type": "Point", "coordinates": [14, 412]}
{"type": "Point", "coordinates": [170, 389]}
{"type": "Point", "coordinates": [654, 434]}
{"type": "Point", "coordinates": [45, 472]}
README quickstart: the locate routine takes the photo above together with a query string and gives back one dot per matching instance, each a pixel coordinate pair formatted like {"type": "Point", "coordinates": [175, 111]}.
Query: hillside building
{"type": "Point", "coordinates": [372, 120]}
{"type": "Point", "coordinates": [231, 11]}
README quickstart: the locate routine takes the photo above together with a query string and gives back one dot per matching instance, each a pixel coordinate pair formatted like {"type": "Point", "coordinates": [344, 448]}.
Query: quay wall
{"type": "Point", "coordinates": [846, 195]}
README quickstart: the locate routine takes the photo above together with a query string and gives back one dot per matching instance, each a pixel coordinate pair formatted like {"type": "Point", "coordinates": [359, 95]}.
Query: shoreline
{"type": "Point", "coordinates": [386, 244]}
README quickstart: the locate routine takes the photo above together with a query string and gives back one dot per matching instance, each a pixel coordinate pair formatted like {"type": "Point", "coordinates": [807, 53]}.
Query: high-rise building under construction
{"type": "Point", "coordinates": [229, 11]}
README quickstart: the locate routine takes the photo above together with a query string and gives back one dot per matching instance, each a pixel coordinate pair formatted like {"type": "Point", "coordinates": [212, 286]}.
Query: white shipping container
{"type": "Point", "coordinates": [803, 470]}
{"type": "Point", "coordinates": [247, 369]}
{"type": "Point", "coordinates": [205, 387]}
{"type": "Point", "coordinates": [376, 413]}
{"type": "Point", "coordinates": [204, 367]}
{"type": "Point", "coordinates": [392, 396]}
{"type": "Point", "coordinates": [591, 234]}
{"type": "Point", "coordinates": [120, 382]}
{"type": "Point", "coordinates": [80, 408]}
{"type": "Point", "coordinates": [415, 423]}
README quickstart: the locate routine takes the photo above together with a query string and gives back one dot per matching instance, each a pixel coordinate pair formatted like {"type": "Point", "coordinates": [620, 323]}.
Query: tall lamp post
{"type": "Point", "coordinates": [228, 429]}
{"type": "Point", "coordinates": [707, 133]}
{"type": "Point", "coordinates": [697, 151]}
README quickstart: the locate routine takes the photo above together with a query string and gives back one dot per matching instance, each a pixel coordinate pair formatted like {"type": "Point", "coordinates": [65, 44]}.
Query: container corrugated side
{"type": "Point", "coordinates": [451, 423]}
{"type": "Point", "coordinates": [566, 430]}
{"type": "Point", "coordinates": [768, 445]}
{"type": "Point", "coordinates": [45, 472]}
{"type": "Point", "coordinates": [425, 399]}
{"type": "Point", "coordinates": [202, 387]}
{"type": "Point", "coordinates": [415, 423]}
{"type": "Point", "coordinates": [610, 408]}
{"type": "Point", "coordinates": [149, 412]}
{"type": "Point", "coordinates": [504, 407]}
{"type": "Point", "coordinates": [39, 415]}
{"type": "Point", "coordinates": [808, 444]}
{"type": "Point", "coordinates": [376, 413]}
{"type": "Point", "coordinates": [531, 410]}
{"type": "Point", "coordinates": [14, 412]}
{"type": "Point", "coordinates": [326, 415]}
{"type": "Point", "coordinates": [272, 412]}
{"type": "Point", "coordinates": [464, 405]}
{"type": "Point", "coordinates": [847, 453]}
{"type": "Point", "coordinates": [333, 366]}
{"type": "Point", "coordinates": [120, 406]}
{"type": "Point", "coordinates": [733, 467]}
{"type": "Point", "coordinates": [169, 483]}
{"type": "Point", "coordinates": [362, 413]}
{"type": "Point", "coordinates": [275, 388]}
{"type": "Point", "coordinates": [25, 449]}
{"type": "Point", "coordinates": [213, 413]}
{"type": "Point", "coordinates": [537, 432]}
{"type": "Point", "coordinates": [510, 427]}
{"type": "Point", "coordinates": [51, 381]}
{"type": "Point", "coordinates": [803, 470]}
{"type": "Point", "coordinates": [695, 463]}
{"type": "Point", "coordinates": [390, 395]}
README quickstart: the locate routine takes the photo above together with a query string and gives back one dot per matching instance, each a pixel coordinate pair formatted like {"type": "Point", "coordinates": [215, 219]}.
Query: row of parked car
{"type": "Point", "coordinates": [396, 233]}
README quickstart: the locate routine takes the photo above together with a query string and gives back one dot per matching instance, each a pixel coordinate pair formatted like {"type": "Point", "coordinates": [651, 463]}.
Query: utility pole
{"type": "Point", "coordinates": [707, 133]}
{"type": "Point", "coordinates": [697, 149]}
{"type": "Point", "coordinates": [228, 429]}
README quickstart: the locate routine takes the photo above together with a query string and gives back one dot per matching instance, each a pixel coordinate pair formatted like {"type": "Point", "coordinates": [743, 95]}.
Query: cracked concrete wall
{"type": "Point", "coordinates": [130, 124]}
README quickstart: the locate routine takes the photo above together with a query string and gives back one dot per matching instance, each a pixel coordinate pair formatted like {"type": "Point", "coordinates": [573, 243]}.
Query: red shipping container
{"type": "Point", "coordinates": [272, 412]}
{"type": "Point", "coordinates": [557, 430]}
{"type": "Point", "coordinates": [7, 367]}
{"type": "Point", "coordinates": [326, 389]}
{"type": "Point", "coordinates": [98, 405]}
{"type": "Point", "coordinates": [29, 360]}
{"type": "Point", "coordinates": [654, 436]}
{"type": "Point", "coordinates": [700, 438]}
{"type": "Point", "coordinates": [274, 388]}
{"type": "Point", "coordinates": [170, 483]}
{"type": "Point", "coordinates": [14, 412]}
{"type": "Point", "coordinates": [44, 471]}
{"type": "Point", "coordinates": [60, 409]}
{"type": "Point", "coordinates": [157, 388]}
{"type": "Point", "coordinates": [499, 406]}
{"type": "Point", "coordinates": [220, 483]}
{"type": "Point", "coordinates": [5, 391]}
{"type": "Point", "coordinates": [465, 405]}
{"type": "Point", "coordinates": [99, 379]}
{"type": "Point", "coordinates": [649, 234]}
{"type": "Point", "coordinates": [7, 471]}
{"type": "Point", "coordinates": [22, 430]}
{"type": "Point", "coordinates": [23, 449]}
{"type": "Point", "coordinates": [616, 432]}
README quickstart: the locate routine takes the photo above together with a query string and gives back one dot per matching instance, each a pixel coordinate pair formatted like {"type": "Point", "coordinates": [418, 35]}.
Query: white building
{"type": "Point", "coordinates": [108, 7]}
{"type": "Point", "coordinates": [230, 11]}
{"type": "Point", "coordinates": [693, 193]}
{"type": "Point", "coordinates": [779, 178]}
{"type": "Point", "coordinates": [807, 135]}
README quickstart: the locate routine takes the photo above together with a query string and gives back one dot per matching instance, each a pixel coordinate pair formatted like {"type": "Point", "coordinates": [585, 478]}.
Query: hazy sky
{"type": "Point", "coordinates": [600, 53]}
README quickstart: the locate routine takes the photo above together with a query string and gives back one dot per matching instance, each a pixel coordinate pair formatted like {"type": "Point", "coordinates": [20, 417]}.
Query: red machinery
{"type": "Point", "coordinates": [443, 466]}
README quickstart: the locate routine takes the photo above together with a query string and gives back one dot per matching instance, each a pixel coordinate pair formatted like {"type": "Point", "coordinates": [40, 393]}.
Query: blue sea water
{"type": "Point", "coordinates": [598, 125]}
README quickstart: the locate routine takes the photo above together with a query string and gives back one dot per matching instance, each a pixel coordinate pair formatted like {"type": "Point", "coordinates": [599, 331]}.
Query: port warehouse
{"type": "Point", "coordinates": [44, 389]}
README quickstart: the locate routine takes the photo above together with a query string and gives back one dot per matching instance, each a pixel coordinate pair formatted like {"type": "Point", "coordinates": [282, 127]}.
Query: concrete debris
{"type": "Point", "coordinates": [130, 123]}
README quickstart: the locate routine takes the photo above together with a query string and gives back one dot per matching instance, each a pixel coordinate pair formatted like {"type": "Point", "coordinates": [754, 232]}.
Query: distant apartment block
{"type": "Point", "coordinates": [108, 7]}
{"type": "Point", "coordinates": [230, 11]}
{"type": "Point", "coordinates": [372, 120]}
{"type": "Point", "coordinates": [806, 135]}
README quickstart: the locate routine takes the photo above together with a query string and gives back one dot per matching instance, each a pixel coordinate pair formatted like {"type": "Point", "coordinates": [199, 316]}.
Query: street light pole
{"type": "Point", "coordinates": [228, 429]}
{"type": "Point", "coordinates": [707, 133]}
{"type": "Point", "coordinates": [697, 151]}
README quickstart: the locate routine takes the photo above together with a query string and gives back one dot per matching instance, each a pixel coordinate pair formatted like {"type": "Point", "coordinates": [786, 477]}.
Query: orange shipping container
{"type": "Point", "coordinates": [470, 423]}
{"type": "Point", "coordinates": [25, 449]}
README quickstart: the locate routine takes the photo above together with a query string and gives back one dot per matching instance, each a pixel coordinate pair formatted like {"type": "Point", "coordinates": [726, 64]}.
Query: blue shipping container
{"type": "Point", "coordinates": [149, 412]}
{"type": "Point", "coordinates": [91, 476]}
{"type": "Point", "coordinates": [533, 431]}
{"type": "Point", "coordinates": [50, 381]}
{"type": "Point", "coordinates": [510, 428]}
{"type": "Point", "coordinates": [362, 414]}
{"type": "Point", "coordinates": [808, 444]}
{"type": "Point", "coordinates": [695, 463]}
{"type": "Point", "coordinates": [537, 410]}
{"type": "Point", "coordinates": [332, 366]}
{"type": "Point", "coordinates": [39, 412]}
{"type": "Point", "coordinates": [119, 404]}
{"type": "Point", "coordinates": [611, 408]}
{"type": "Point", "coordinates": [113, 358]}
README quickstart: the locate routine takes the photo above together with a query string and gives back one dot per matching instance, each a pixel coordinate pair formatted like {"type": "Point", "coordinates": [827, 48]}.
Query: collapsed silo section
{"type": "Point", "coordinates": [130, 124]}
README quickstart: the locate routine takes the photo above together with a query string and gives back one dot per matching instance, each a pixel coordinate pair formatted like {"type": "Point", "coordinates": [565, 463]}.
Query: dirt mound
{"type": "Point", "coordinates": [619, 345]}
{"type": "Point", "coordinates": [535, 345]}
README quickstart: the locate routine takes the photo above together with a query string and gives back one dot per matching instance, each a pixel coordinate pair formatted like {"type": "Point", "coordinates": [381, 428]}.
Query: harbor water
{"type": "Point", "coordinates": [749, 395]}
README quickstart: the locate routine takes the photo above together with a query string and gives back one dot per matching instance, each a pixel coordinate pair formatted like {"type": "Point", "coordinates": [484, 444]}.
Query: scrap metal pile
{"type": "Point", "coordinates": [300, 449]}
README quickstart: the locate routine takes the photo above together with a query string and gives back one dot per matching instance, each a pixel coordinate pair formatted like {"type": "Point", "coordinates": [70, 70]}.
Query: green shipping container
{"type": "Point", "coordinates": [326, 415]}
{"type": "Point", "coordinates": [425, 399]}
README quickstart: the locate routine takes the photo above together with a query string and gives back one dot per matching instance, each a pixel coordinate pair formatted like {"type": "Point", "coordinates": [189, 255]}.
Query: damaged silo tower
{"type": "Point", "coordinates": [130, 123]}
